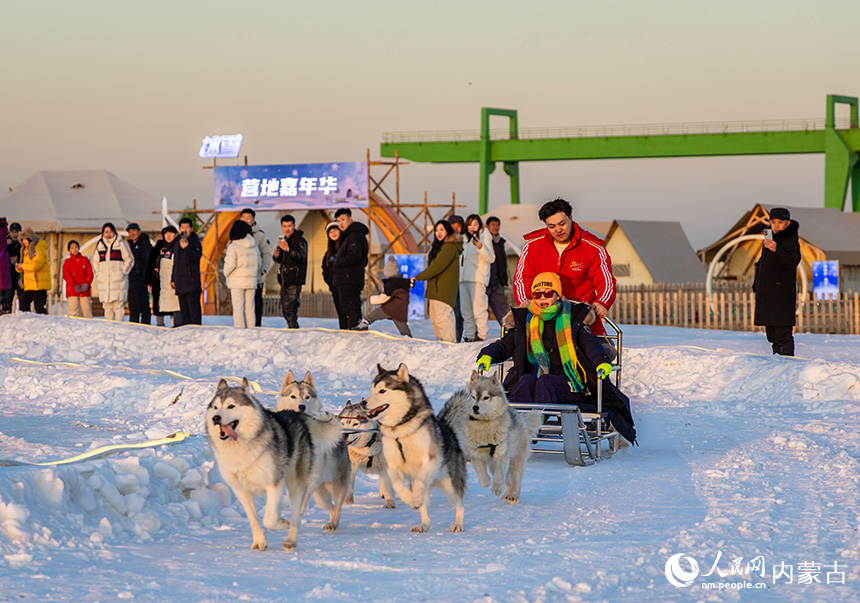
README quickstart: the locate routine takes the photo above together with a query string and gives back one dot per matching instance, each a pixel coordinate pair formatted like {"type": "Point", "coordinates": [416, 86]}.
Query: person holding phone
{"type": "Point", "coordinates": [291, 254]}
{"type": "Point", "coordinates": [185, 280]}
{"type": "Point", "coordinates": [775, 283]}
{"type": "Point", "coordinates": [478, 256]}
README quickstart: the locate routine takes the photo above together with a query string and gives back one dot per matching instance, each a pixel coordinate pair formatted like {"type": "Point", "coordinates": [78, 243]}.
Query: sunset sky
{"type": "Point", "coordinates": [134, 87]}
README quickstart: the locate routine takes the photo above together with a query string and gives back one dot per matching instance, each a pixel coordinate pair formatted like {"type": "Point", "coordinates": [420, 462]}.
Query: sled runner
{"type": "Point", "coordinates": [579, 432]}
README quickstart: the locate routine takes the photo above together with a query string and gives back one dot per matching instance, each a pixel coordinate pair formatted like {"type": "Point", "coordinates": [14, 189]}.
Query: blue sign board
{"type": "Point", "coordinates": [825, 279]}
{"type": "Point", "coordinates": [291, 187]}
{"type": "Point", "coordinates": [410, 265]}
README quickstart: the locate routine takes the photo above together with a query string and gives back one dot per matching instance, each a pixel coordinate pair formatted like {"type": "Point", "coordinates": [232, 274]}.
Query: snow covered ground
{"type": "Point", "coordinates": [743, 456]}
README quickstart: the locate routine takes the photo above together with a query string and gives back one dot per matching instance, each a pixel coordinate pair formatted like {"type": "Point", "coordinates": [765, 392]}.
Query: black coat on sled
{"type": "Point", "coordinates": [589, 352]}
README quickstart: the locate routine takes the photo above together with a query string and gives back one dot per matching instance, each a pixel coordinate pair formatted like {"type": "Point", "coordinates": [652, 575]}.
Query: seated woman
{"type": "Point", "coordinates": [556, 358]}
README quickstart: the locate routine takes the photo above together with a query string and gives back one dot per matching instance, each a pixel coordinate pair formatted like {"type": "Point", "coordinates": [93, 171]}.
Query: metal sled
{"type": "Point", "coordinates": [569, 430]}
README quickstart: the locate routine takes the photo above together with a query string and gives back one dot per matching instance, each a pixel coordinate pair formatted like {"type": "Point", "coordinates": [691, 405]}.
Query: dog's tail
{"type": "Point", "coordinates": [326, 433]}
{"type": "Point", "coordinates": [456, 410]}
{"type": "Point", "coordinates": [532, 419]}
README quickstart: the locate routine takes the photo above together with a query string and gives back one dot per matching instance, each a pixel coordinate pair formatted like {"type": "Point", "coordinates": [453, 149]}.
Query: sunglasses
{"type": "Point", "coordinates": [543, 294]}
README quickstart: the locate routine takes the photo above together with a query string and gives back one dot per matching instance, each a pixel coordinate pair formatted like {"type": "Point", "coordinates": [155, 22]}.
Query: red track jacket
{"type": "Point", "coordinates": [584, 268]}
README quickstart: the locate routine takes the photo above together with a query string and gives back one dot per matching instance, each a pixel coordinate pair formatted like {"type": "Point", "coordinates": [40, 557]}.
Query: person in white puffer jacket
{"type": "Point", "coordinates": [112, 261]}
{"type": "Point", "coordinates": [241, 265]}
{"type": "Point", "coordinates": [475, 262]}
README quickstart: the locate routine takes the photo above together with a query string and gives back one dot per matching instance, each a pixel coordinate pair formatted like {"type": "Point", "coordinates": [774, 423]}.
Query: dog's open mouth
{"type": "Point", "coordinates": [375, 411]}
{"type": "Point", "coordinates": [229, 430]}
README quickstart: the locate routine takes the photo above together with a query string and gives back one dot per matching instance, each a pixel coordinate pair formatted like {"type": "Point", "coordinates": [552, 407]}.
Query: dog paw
{"type": "Point", "coordinates": [420, 529]}
{"type": "Point", "coordinates": [457, 527]}
{"type": "Point", "coordinates": [512, 498]}
{"type": "Point", "coordinates": [330, 526]}
{"type": "Point", "coordinates": [389, 504]}
{"type": "Point", "coordinates": [289, 545]}
{"type": "Point", "coordinates": [349, 500]}
{"type": "Point", "coordinates": [484, 481]}
{"type": "Point", "coordinates": [497, 490]}
{"type": "Point", "coordinates": [259, 545]}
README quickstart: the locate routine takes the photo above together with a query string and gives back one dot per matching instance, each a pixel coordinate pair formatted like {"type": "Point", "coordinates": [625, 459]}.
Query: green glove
{"type": "Point", "coordinates": [484, 363]}
{"type": "Point", "coordinates": [603, 370]}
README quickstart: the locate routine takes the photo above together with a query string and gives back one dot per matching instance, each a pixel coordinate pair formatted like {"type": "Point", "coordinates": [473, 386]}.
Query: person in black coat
{"type": "Point", "coordinates": [291, 254]}
{"type": "Point", "coordinates": [333, 240]}
{"type": "Point", "coordinates": [775, 283]}
{"type": "Point", "coordinates": [187, 251]}
{"type": "Point", "coordinates": [549, 370]}
{"type": "Point", "coordinates": [349, 264]}
{"type": "Point", "coordinates": [140, 275]}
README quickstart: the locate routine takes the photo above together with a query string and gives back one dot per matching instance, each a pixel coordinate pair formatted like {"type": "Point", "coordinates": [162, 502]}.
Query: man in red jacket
{"type": "Point", "coordinates": [577, 256]}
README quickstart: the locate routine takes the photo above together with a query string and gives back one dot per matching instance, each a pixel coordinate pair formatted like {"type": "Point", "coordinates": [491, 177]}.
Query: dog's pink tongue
{"type": "Point", "coordinates": [229, 431]}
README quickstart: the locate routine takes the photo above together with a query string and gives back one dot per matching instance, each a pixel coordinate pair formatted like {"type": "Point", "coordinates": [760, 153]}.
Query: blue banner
{"type": "Point", "coordinates": [825, 279]}
{"type": "Point", "coordinates": [291, 187]}
{"type": "Point", "coordinates": [410, 265]}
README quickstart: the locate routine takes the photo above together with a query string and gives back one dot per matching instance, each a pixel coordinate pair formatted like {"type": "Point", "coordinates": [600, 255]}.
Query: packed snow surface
{"type": "Point", "coordinates": [747, 467]}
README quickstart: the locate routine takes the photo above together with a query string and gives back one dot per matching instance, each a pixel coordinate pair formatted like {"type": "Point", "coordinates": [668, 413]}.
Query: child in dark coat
{"type": "Point", "coordinates": [394, 299]}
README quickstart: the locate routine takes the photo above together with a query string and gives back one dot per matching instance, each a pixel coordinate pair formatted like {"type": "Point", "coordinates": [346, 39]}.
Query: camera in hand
{"type": "Point", "coordinates": [768, 234]}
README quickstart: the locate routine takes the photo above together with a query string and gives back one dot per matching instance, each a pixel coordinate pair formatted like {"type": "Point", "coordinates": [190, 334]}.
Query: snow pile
{"type": "Point", "coordinates": [741, 455]}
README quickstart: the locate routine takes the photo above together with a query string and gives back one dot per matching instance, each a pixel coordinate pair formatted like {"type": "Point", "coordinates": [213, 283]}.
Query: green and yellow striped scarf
{"type": "Point", "coordinates": [537, 354]}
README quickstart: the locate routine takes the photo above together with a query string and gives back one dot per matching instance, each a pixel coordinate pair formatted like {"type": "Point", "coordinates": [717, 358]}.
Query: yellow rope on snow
{"type": "Point", "coordinates": [104, 450]}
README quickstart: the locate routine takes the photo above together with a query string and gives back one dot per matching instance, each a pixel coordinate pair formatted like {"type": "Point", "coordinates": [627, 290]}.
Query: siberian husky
{"type": "Point", "coordinates": [365, 450]}
{"type": "Point", "coordinates": [258, 451]}
{"type": "Point", "coordinates": [493, 434]}
{"type": "Point", "coordinates": [417, 446]}
{"type": "Point", "coordinates": [300, 396]}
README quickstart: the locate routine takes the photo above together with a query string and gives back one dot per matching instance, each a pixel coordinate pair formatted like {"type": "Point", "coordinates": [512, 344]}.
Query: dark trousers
{"type": "Point", "coordinates": [341, 317]}
{"type": "Point", "coordinates": [781, 340]}
{"type": "Point", "coordinates": [138, 303]}
{"type": "Point", "coordinates": [498, 302]}
{"type": "Point", "coordinates": [258, 306]}
{"type": "Point", "coordinates": [7, 296]}
{"type": "Point", "coordinates": [458, 319]}
{"type": "Point", "coordinates": [37, 298]}
{"type": "Point", "coordinates": [291, 298]}
{"type": "Point", "coordinates": [349, 297]}
{"type": "Point", "coordinates": [189, 306]}
{"type": "Point", "coordinates": [546, 389]}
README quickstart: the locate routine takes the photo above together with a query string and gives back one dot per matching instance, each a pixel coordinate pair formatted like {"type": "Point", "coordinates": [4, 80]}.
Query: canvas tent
{"type": "Point", "coordinates": [646, 252]}
{"type": "Point", "coordinates": [64, 205]}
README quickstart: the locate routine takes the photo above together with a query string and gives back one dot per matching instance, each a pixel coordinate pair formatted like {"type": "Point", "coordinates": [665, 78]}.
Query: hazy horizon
{"type": "Point", "coordinates": [133, 89]}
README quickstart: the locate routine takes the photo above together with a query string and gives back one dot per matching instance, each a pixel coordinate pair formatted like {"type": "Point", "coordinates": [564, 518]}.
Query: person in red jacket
{"type": "Point", "coordinates": [78, 274]}
{"type": "Point", "coordinates": [577, 256]}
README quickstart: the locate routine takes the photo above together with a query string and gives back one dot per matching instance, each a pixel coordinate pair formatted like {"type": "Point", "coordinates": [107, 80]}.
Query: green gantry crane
{"type": "Point", "coordinates": [840, 145]}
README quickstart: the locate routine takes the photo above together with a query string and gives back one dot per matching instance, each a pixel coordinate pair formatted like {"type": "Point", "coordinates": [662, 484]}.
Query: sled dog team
{"type": "Point", "coordinates": [393, 433]}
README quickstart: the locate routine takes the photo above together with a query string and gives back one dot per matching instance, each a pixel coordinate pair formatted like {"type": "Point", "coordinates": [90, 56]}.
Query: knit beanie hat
{"type": "Point", "coordinates": [329, 226]}
{"type": "Point", "coordinates": [780, 213]}
{"type": "Point", "coordinates": [27, 233]}
{"type": "Point", "coordinates": [547, 280]}
{"type": "Point", "coordinates": [391, 268]}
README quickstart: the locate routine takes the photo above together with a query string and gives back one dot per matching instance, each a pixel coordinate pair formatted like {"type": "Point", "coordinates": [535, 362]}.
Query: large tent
{"type": "Point", "coordinates": [64, 205]}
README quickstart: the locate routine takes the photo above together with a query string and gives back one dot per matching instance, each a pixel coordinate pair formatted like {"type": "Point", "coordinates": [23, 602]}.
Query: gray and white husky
{"type": "Point", "coordinates": [300, 396]}
{"type": "Point", "coordinates": [365, 450]}
{"type": "Point", "coordinates": [417, 446]}
{"type": "Point", "coordinates": [258, 451]}
{"type": "Point", "coordinates": [494, 435]}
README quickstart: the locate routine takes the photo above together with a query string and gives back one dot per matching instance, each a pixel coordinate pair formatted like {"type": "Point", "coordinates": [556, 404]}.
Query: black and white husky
{"type": "Point", "coordinates": [493, 435]}
{"type": "Point", "coordinates": [258, 451]}
{"type": "Point", "coordinates": [417, 446]}
{"type": "Point", "coordinates": [300, 396]}
{"type": "Point", "coordinates": [365, 450]}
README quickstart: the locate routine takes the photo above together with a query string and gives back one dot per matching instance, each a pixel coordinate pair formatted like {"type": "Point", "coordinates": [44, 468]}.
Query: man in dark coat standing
{"type": "Point", "coordinates": [775, 283]}
{"type": "Point", "coordinates": [291, 254]}
{"type": "Point", "coordinates": [496, 298]}
{"type": "Point", "coordinates": [186, 273]}
{"type": "Point", "coordinates": [140, 275]}
{"type": "Point", "coordinates": [349, 265]}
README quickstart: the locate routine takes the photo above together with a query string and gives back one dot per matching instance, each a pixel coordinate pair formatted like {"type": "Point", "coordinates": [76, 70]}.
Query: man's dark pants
{"type": "Point", "coordinates": [781, 339]}
{"type": "Point", "coordinates": [498, 302]}
{"type": "Point", "coordinates": [138, 303]}
{"type": "Point", "coordinates": [189, 305]}
{"type": "Point", "coordinates": [290, 301]}
{"type": "Point", "coordinates": [349, 297]}
{"type": "Point", "coordinates": [258, 305]}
